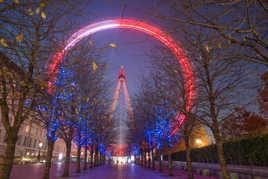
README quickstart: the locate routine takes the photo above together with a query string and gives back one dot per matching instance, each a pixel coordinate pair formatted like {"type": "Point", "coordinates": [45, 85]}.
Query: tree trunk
{"type": "Point", "coordinates": [67, 159]}
{"type": "Point", "coordinates": [216, 127]}
{"type": "Point", "coordinates": [12, 138]}
{"type": "Point", "coordinates": [85, 158]}
{"type": "Point", "coordinates": [102, 159]}
{"type": "Point", "coordinates": [145, 160]}
{"type": "Point", "coordinates": [169, 163]}
{"type": "Point", "coordinates": [149, 159]}
{"type": "Point", "coordinates": [153, 161]}
{"type": "Point", "coordinates": [160, 163]}
{"type": "Point", "coordinates": [99, 159]}
{"type": "Point", "coordinates": [188, 159]}
{"type": "Point", "coordinates": [91, 156]}
{"type": "Point", "coordinates": [50, 145]}
{"type": "Point", "coordinates": [78, 159]}
{"type": "Point", "coordinates": [142, 158]}
{"type": "Point", "coordinates": [222, 161]}
{"type": "Point", "coordinates": [96, 157]}
{"type": "Point", "coordinates": [219, 145]}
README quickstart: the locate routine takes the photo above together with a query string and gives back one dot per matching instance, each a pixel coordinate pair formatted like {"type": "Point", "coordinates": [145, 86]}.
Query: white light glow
{"type": "Point", "coordinates": [132, 158]}
{"type": "Point", "coordinates": [88, 30]}
{"type": "Point", "coordinates": [198, 141]}
{"type": "Point", "coordinates": [119, 160]}
{"type": "Point", "coordinates": [40, 144]}
{"type": "Point", "coordinates": [60, 156]}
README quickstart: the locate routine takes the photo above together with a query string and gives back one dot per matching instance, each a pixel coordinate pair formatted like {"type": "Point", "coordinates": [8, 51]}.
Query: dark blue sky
{"type": "Point", "coordinates": [132, 46]}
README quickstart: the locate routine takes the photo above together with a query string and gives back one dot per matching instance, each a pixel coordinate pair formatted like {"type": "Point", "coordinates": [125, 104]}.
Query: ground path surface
{"type": "Point", "coordinates": [130, 171]}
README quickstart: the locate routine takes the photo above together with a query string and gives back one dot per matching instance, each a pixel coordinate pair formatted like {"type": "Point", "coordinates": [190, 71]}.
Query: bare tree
{"type": "Point", "coordinates": [28, 29]}
{"type": "Point", "coordinates": [165, 67]}
{"type": "Point", "coordinates": [241, 23]}
{"type": "Point", "coordinates": [82, 93]}
{"type": "Point", "coordinates": [220, 82]}
{"type": "Point", "coordinates": [49, 117]}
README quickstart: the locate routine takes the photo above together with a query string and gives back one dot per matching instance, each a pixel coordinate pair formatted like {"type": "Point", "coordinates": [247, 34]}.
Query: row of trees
{"type": "Point", "coordinates": [226, 78]}
{"type": "Point", "coordinates": [75, 109]}
{"type": "Point", "coordinates": [219, 104]}
{"type": "Point", "coordinates": [218, 36]}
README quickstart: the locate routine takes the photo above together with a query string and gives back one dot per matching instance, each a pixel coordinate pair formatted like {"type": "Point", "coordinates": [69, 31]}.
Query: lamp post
{"type": "Point", "coordinates": [40, 146]}
{"type": "Point", "coordinates": [199, 142]}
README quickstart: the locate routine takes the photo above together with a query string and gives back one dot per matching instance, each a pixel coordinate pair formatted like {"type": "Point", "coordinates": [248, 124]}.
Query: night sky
{"type": "Point", "coordinates": [131, 51]}
{"type": "Point", "coordinates": [132, 48]}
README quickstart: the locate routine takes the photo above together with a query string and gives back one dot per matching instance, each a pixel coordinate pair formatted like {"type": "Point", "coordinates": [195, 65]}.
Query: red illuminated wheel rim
{"type": "Point", "coordinates": [135, 25]}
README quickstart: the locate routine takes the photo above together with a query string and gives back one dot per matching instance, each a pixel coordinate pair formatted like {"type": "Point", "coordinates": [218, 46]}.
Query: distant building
{"type": "Point", "coordinates": [31, 140]}
{"type": "Point", "coordinates": [32, 136]}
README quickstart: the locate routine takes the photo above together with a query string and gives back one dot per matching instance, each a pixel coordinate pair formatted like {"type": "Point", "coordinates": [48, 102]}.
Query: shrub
{"type": "Point", "coordinates": [247, 151]}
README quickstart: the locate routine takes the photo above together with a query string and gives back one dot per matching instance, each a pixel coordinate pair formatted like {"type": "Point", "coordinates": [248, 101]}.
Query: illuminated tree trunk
{"type": "Point", "coordinates": [67, 159]}
{"type": "Point", "coordinates": [78, 170]}
{"type": "Point", "coordinates": [170, 163]}
{"type": "Point", "coordinates": [5, 171]}
{"type": "Point", "coordinates": [50, 147]}
{"type": "Point", "coordinates": [85, 158]}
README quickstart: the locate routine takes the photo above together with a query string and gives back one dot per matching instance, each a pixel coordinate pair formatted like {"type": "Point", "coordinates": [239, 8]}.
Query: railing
{"type": "Point", "coordinates": [213, 169]}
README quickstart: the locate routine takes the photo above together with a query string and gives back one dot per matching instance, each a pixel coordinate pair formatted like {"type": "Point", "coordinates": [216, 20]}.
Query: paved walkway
{"type": "Point", "coordinates": [131, 171]}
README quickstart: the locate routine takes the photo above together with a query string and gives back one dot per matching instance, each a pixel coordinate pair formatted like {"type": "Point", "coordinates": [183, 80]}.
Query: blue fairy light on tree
{"type": "Point", "coordinates": [162, 129]}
